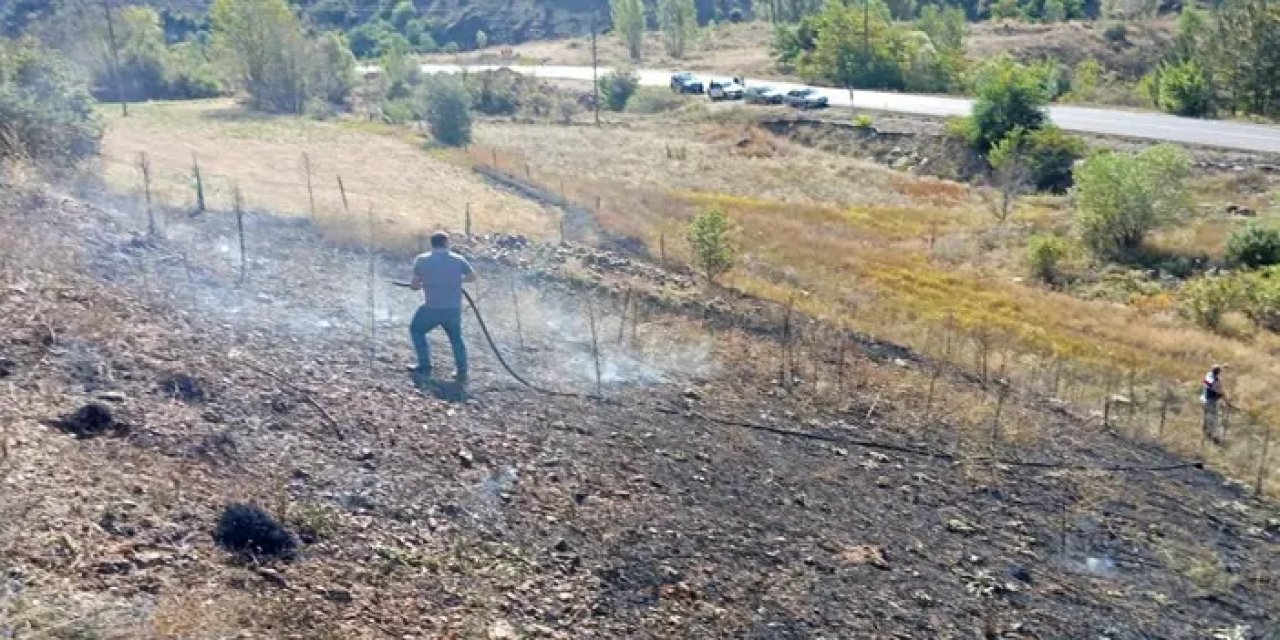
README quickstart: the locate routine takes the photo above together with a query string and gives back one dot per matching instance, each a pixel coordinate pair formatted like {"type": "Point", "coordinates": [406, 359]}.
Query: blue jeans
{"type": "Point", "coordinates": [448, 319]}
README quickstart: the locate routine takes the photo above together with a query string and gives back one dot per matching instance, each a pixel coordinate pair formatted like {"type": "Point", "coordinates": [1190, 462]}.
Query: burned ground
{"type": "Point", "coordinates": [512, 514]}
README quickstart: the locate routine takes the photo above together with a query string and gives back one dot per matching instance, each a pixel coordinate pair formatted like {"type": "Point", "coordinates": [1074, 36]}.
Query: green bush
{"type": "Point", "coordinates": [1044, 253]}
{"type": "Point", "coordinates": [710, 237]}
{"type": "Point", "coordinates": [448, 112]}
{"type": "Point", "coordinates": [1254, 246]}
{"type": "Point", "coordinates": [1116, 33]}
{"type": "Point", "coordinates": [617, 87]}
{"type": "Point", "coordinates": [1051, 155]}
{"type": "Point", "coordinates": [46, 112]}
{"type": "Point", "coordinates": [1120, 198]}
{"type": "Point", "coordinates": [863, 121]}
{"type": "Point", "coordinates": [1008, 95]}
{"type": "Point", "coordinates": [650, 100]}
{"type": "Point", "coordinates": [402, 111]}
{"type": "Point", "coordinates": [1260, 293]}
{"type": "Point", "coordinates": [1184, 89]}
{"type": "Point", "coordinates": [1206, 300]}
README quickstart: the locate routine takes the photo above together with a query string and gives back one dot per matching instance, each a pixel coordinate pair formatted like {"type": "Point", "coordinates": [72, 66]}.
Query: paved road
{"type": "Point", "coordinates": [1135, 124]}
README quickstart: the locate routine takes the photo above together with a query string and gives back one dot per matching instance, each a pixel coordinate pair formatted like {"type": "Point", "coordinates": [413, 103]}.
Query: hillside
{"type": "Point", "coordinates": [704, 496]}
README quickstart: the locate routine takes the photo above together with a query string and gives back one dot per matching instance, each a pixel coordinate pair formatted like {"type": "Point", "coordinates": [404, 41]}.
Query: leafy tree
{"type": "Point", "coordinates": [1243, 50]}
{"type": "Point", "coordinates": [1052, 154]}
{"type": "Point", "coordinates": [1008, 96]}
{"type": "Point", "coordinates": [403, 12]}
{"type": "Point", "coordinates": [46, 112]}
{"type": "Point", "coordinates": [1054, 11]}
{"type": "Point", "coordinates": [628, 21]}
{"type": "Point", "coordinates": [1206, 300]}
{"type": "Point", "coordinates": [1120, 198]}
{"type": "Point", "coordinates": [448, 111]}
{"type": "Point", "coordinates": [333, 77]}
{"type": "Point", "coordinates": [1085, 79]}
{"type": "Point", "coordinates": [617, 87]}
{"type": "Point", "coordinates": [710, 237]}
{"type": "Point", "coordinates": [678, 21]}
{"type": "Point", "coordinates": [399, 71]}
{"type": "Point", "coordinates": [482, 39]}
{"type": "Point", "coordinates": [1254, 246]}
{"type": "Point", "coordinates": [265, 50]}
{"type": "Point", "coordinates": [945, 27]}
{"type": "Point", "coordinates": [1184, 89]}
{"type": "Point", "coordinates": [1010, 171]}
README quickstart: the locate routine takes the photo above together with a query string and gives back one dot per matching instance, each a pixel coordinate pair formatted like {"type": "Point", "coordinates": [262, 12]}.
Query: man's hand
{"type": "Point", "coordinates": [416, 284]}
{"type": "Point", "coordinates": [470, 277]}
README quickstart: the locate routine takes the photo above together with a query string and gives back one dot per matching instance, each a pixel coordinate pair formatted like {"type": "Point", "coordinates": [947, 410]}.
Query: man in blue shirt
{"type": "Point", "coordinates": [439, 274]}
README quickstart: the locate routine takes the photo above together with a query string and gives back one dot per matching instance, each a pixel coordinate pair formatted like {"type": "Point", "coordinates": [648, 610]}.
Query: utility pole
{"type": "Point", "coordinates": [115, 60]}
{"type": "Point", "coordinates": [595, 66]}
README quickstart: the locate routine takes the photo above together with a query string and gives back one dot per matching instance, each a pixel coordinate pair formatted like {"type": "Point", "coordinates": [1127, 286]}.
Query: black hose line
{"type": "Point", "coordinates": [850, 442]}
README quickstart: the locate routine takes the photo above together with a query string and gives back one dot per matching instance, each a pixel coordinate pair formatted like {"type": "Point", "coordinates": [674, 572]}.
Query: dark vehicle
{"type": "Point", "coordinates": [763, 95]}
{"type": "Point", "coordinates": [806, 98]}
{"type": "Point", "coordinates": [685, 82]}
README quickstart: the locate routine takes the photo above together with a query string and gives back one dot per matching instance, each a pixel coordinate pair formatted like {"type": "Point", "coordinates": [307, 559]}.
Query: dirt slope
{"type": "Point", "coordinates": [519, 515]}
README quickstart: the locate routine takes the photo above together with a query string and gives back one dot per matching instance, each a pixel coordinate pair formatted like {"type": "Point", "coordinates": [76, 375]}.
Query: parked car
{"type": "Point", "coordinates": [806, 98]}
{"type": "Point", "coordinates": [763, 95]}
{"type": "Point", "coordinates": [686, 82]}
{"type": "Point", "coordinates": [724, 90]}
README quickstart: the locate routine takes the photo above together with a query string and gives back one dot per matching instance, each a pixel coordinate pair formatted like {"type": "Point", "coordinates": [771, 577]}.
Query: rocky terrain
{"type": "Point", "coordinates": [699, 497]}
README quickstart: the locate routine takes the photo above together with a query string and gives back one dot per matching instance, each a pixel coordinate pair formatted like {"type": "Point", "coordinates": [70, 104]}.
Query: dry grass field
{"type": "Point", "coordinates": [408, 190]}
{"type": "Point", "coordinates": [903, 257]}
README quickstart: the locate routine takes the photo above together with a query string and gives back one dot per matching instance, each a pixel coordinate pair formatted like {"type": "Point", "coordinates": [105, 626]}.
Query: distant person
{"type": "Point", "coordinates": [439, 273]}
{"type": "Point", "coordinates": [1212, 394]}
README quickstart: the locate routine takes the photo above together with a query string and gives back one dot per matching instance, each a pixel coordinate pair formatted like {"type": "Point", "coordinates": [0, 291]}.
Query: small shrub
{"type": "Point", "coordinates": [735, 15]}
{"type": "Point", "coordinates": [494, 93]}
{"type": "Point", "coordinates": [1009, 95]}
{"type": "Point", "coordinates": [616, 88]}
{"type": "Point", "coordinates": [710, 237]}
{"type": "Point", "coordinates": [447, 111]}
{"type": "Point", "coordinates": [1051, 155]}
{"type": "Point", "coordinates": [1116, 33]}
{"type": "Point", "coordinates": [1205, 301]}
{"type": "Point", "coordinates": [863, 121]}
{"type": "Point", "coordinates": [1254, 246]}
{"type": "Point", "coordinates": [400, 112]}
{"type": "Point", "coordinates": [1120, 198]}
{"type": "Point", "coordinates": [450, 48]}
{"type": "Point", "coordinates": [568, 109]}
{"type": "Point", "coordinates": [46, 113]}
{"type": "Point", "coordinates": [248, 529]}
{"type": "Point", "coordinates": [1260, 298]}
{"type": "Point", "coordinates": [1044, 254]}
{"type": "Point", "coordinates": [1185, 90]}
{"type": "Point", "coordinates": [651, 100]}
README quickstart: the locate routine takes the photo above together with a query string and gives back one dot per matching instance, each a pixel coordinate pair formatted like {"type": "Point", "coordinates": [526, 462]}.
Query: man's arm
{"type": "Point", "coordinates": [468, 273]}
{"type": "Point", "coordinates": [416, 283]}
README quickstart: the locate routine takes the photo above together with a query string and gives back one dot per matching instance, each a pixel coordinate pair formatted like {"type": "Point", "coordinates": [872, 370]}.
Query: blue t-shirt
{"type": "Point", "coordinates": [442, 272]}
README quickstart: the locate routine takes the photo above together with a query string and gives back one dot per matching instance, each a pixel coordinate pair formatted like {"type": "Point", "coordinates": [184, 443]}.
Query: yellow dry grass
{"type": "Point", "coordinates": [902, 257]}
{"type": "Point", "coordinates": [409, 189]}
{"type": "Point", "coordinates": [729, 49]}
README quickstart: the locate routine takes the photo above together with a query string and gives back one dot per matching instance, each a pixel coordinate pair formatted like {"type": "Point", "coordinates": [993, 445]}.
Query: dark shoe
{"type": "Point", "coordinates": [460, 378]}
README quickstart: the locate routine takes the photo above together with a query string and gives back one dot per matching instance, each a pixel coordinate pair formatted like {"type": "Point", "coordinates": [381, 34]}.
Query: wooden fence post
{"type": "Point", "coordinates": [195, 171]}
{"type": "Point", "coordinates": [144, 166]}
{"type": "Point", "coordinates": [239, 209]}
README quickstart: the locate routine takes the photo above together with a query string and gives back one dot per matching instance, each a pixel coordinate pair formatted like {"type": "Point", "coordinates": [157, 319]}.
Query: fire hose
{"type": "Point", "coordinates": [868, 444]}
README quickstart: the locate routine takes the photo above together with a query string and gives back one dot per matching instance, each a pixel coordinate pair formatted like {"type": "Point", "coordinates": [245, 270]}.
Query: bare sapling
{"type": "Point", "coordinates": [662, 248]}
{"type": "Point", "coordinates": [1166, 396]}
{"type": "Point", "coordinates": [199, 183]}
{"type": "Point", "coordinates": [515, 306]}
{"type": "Point", "coordinates": [307, 174]}
{"type": "Point", "coordinates": [1262, 460]}
{"type": "Point", "coordinates": [342, 189]}
{"type": "Point", "coordinates": [784, 361]}
{"type": "Point", "coordinates": [622, 323]}
{"type": "Point", "coordinates": [144, 167]}
{"type": "Point", "coordinates": [372, 295]}
{"type": "Point", "coordinates": [238, 205]}
{"type": "Point", "coordinates": [1002, 393]}
{"type": "Point", "coordinates": [467, 222]}
{"type": "Point", "coordinates": [595, 346]}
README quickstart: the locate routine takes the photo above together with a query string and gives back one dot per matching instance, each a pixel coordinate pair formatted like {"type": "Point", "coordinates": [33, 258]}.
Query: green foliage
{"type": "Point", "coordinates": [1120, 198]}
{"type": "Point", "coordinates": [628, 22]}
{"type": "Point", "coordinates": [1085, 78]}
{"type": "Point", "coordinates": [1242, 51]}
{"type": "Point", "coordinates": [617, 87]}
{"type": "Point", "coordinates": [264, 47]}
{"type": "Point", "coordinates": [1044, 255]}
{"type": "Point", "coordinates": [678, 21]}
{"type": "Point", "coordinates": [447, 109]}
{"type": "Point", "coordinates": [863, 121]}
{"type": "Point", "coordinates": [651, 100]}
{"type": "Point", "coordinates": [1051, 157]}
{"type": "Point", "coordinates": [1116, 33]}
{"type": "Point", "coordinates": [1008, 95]}
{"type": "Point", "coordinates": [400, 72]}
{"type": "Point", "coordinates": [496, 92]}
{"type": "Point", "coordinates": [333, 69]}
{"type": "Point", "coordinates": [46, 113]}
{"type": "Point", "coordinates": [1260, 297]}
{"type": "Point", "coordinates": [450, 48]}
{"type": "Point", "coordinates": [482, 39]}
{"type": "Point", "coordinates": [1254, 246]}
{"type": "Point", "coordinates": [945, 27]}
{"type": "Point", "coordinates": [711, 241]}
{"type": "Point", "coordinates": [859, 45]}
{"type": "Point", "coordinates": [1184, 89]}
{"type": "Point", "coordinates": [1206, 300]}
{"type": "Point", "coordinates": [402, 111]}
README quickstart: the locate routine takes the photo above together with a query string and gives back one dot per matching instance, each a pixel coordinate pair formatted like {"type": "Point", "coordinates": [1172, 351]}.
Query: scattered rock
{"type": "Point", "coordinates": [466, 458]}
{"type": "Point", "coordinates": [956, 525]}
{"type": "Point", "coordinates": [248, 529]}
{"type": "Point", "coordinates": [691, 394]}
{"type": "Point", "coordinates": [91, 420]}
{"type": "Point", "coordinates": [502, 630]}
{"type": "Point", "coordinates": [181, 386]}
{"type": "Point", "coordinates": [111, 396]}
{"type": "Point", "coordinates": [562, 546]}
{"type": "Point", "coordinates": [340, 596]}
{"type": "Point", "coordinates": [7, 367]}
{"type": "Point", "coordinates": [864, 554]}
{"type": "Point", "coordinates": [1018, 572]}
